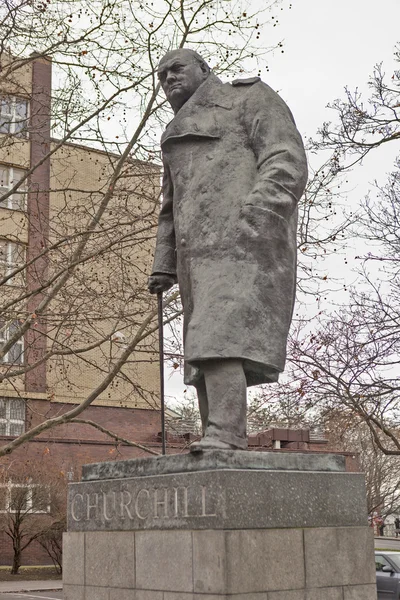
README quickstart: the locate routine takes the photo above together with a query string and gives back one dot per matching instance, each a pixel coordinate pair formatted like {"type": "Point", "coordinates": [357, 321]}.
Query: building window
{"type": "Point", "coordinates": [12, 416]}
{"type": "Point", "coordinates": [24, 498]}
{"type": "Point", "coordinates": [13, 115]}
{"type": "Point", "coordinates": [12, 256]}
{"type": "Point", "coordinates": [15, 355]}
{"type": "Point", "coordinates": [9, 176]}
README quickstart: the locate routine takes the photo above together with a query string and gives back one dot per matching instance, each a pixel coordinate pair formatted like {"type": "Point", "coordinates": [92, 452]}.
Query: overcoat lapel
{"type": "Point", "coordinates": [187, 122]}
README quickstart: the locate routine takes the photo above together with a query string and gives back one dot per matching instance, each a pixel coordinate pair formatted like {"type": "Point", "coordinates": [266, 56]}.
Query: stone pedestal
{"type": "Point", "coordinates": [219, 526]}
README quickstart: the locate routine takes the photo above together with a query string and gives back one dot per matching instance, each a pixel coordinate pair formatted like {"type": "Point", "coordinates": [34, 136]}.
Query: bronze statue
{"type": "Point", "coordinates": [234, 170]}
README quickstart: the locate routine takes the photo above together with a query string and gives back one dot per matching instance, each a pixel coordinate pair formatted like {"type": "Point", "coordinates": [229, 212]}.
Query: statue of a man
{"type": "Point", "coordinates": [234, 170]}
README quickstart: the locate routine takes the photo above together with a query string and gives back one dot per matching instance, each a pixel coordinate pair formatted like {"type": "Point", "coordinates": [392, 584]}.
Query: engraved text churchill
{"type": "Point", "coordinates": [143, 504]}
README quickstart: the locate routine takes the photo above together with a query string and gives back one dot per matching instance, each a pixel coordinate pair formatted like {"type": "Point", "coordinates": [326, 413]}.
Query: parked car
{"type": "Point", "coordinates": [387, 566]}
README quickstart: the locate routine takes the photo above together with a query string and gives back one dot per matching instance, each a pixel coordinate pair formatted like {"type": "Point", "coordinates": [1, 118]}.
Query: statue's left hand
{"type": "Point", "coordinates": [160, 282]}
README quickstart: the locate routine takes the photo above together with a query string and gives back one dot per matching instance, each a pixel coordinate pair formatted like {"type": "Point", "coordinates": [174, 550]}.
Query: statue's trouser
{"type": "Point", "coordinates": [222, 401]}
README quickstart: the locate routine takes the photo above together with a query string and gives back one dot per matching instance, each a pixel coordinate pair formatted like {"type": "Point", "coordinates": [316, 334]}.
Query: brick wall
{"type": "Point", "coordinates": [140, 425]}
{"type": "Point", "coordinates": [68, 447]}
{"type": "Point", "coordinates": [33, 555]}
{"type": "Point", "coordinates": [76, 444]}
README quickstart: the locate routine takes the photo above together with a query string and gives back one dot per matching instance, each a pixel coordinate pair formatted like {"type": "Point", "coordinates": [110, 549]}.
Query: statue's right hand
{"type": "Point", "coordinates": [161, 282]}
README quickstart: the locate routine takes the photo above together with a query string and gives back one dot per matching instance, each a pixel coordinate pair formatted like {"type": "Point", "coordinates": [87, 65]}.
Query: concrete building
{"type": "Point", "coordinates": [71, 345]}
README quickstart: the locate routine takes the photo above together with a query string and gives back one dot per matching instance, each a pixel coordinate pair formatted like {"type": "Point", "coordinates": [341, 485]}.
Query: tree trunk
{"type": "Point", "coordinates": [16, 561]}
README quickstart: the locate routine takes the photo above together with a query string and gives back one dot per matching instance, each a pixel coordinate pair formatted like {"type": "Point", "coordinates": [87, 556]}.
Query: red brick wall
{"type": "Point", "coordinates": [78, 444]}
{"type": "Point", "coordinates": [67, 448]}
{"type": "Point", "coordinates": [139, 425]}
{"type": "Point", "coordinates": [33, 555]}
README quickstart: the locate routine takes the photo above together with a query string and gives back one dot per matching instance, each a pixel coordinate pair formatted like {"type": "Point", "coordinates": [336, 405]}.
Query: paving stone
{"type": "Point", "coordinates": [74, 558]}
{"type": "Point", "coordinates": [360, 592]}
{"type": "Point", "coordinates": [110, 559]}
{"type": "Point", "coordinates": [209, 562]}
{"type": "Point", "coordinates": [73, 592]}
{"type": "Point", "coordinates": [346, 554]}
{"type": "Point", "coordinates": [260, 561]}
{"type": "Point", "coordinates": [164, 561]}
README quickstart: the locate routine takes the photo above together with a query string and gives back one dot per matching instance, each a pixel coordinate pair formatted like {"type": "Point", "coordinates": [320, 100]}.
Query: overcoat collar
{"type": "Point", "coordinates": [187, 121]}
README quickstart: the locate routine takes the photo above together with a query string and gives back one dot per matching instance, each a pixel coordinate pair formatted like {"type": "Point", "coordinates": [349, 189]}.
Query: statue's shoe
{"type": "Point", "coordinates": [211, 444]}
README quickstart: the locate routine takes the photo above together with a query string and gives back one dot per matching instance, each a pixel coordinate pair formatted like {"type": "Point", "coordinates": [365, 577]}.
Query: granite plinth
{"type": "Point", "coordinates": [213, 460]}
{"type": "Point", "coordinates": [273, 564]}
{"type": "Point", "coordinates": [288, 527]}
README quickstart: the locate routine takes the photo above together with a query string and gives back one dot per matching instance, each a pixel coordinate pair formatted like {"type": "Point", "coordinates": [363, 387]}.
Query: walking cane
{"type": "Point", "coordinates": [161, 351]}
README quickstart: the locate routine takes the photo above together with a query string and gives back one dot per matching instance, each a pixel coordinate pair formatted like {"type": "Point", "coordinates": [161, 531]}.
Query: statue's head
{"type": "Point", "coordinates": [180, 73]}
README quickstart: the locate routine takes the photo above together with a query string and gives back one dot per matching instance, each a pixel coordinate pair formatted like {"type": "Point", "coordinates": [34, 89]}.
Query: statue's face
{"type": "Point", "coordinates": [180, 75]}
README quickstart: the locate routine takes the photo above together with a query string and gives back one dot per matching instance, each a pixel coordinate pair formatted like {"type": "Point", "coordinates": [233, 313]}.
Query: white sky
{"type": "Point", "coordinates": [328, 44]}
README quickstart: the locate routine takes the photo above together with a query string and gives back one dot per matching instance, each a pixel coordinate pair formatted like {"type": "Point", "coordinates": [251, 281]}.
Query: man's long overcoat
{"type": "Point", "coordinates": [234, 170]}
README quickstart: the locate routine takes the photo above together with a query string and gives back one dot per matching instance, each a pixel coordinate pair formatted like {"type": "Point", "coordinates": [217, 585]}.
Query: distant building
{"type": "Point", "coordinates": [51, 206]}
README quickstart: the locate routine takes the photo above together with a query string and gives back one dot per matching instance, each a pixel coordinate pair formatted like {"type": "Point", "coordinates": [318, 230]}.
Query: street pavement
{"type": "Point", "coordinates": [384, 543]}
{"type": "Point", "coordinates": [15, 590]}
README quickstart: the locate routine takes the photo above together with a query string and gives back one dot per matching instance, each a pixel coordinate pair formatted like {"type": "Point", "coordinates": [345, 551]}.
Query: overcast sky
{"type": "Point", "coordinates": [329, 44]}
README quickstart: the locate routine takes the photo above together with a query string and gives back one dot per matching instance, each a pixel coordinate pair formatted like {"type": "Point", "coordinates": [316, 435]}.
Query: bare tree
{"type": "Point", "coordinates": [348, 432]}
{"type": "Point", "coordinates": [51, 537]}
{"type": "Point", "coordinates": [349, 360]}
{"type": "Point", "coordinates": [31, 506]}
{"type": "Point", "coordinates": [323, 230]}
{"type": "Point", "coordinates": [78, 304]}
{"type": "Point", "coordinates": [362, 125]}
